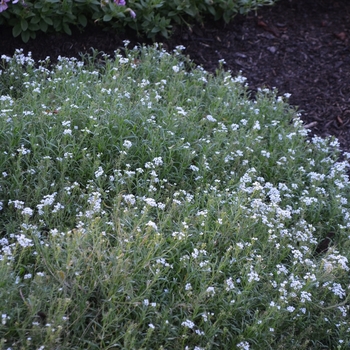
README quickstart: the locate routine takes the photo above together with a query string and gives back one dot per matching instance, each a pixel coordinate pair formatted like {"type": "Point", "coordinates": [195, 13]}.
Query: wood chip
{"type": "Point", "coordinates": [310, 125]}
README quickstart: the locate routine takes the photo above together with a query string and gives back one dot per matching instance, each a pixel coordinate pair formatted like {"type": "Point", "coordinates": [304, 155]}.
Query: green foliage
{"type": "Point", "coordinates": [152, 16]}
{"type": "Point", "coordinates": [147, 204]}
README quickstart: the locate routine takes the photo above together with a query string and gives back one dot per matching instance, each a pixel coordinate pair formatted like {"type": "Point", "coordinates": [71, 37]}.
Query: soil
{"type": "Point", "coordinates": [300, 47]}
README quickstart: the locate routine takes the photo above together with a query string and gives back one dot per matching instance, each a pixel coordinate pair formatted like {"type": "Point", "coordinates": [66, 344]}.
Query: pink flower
{"type": "Point", "coordinates": [132, 13]}
{"type": "Point", "coordinates": [120, 2]}
{"type": "Point", "coordinates": [3, 5]}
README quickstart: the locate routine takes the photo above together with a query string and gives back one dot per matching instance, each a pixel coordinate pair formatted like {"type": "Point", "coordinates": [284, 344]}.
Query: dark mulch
{"type": "Point", "coordinates": [298, 46]}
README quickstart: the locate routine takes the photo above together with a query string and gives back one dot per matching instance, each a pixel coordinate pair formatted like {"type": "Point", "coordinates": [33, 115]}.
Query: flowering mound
{"type": "Point", "coordinates": [149, 204]}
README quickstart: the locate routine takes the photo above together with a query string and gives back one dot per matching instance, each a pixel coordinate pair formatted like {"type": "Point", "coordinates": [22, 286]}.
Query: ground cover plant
{"type": "Point", "coordinates": [147, 204]}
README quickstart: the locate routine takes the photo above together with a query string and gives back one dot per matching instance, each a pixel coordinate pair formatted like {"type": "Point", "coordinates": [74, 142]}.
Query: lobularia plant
{"type": "Point", "coordinates": [147, 204]}
{"type": "Point", "coordinates": [150, 17]}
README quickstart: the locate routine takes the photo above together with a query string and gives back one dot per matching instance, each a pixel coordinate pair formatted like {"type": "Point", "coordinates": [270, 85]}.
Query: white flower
{"type": "Point", "coordinates": [244, 345]}
{"type": "Point", "coordinates": [188, 324]}
{"type": "Point", "coordinates": [57, 207]}
{"type": "Point", "coordinates": [176, 68]}
{"type": "Point", "coordinates": [67, 132]}
{"type": "Point", "coordinates": [27, 211]}
{"type": "Point", "coordinates": [290, 308]}
{"type": "Point", "coordinates": [99, 172]}
{"type": "Point", "coordinates": [123, 60]}
{"type": "Point", "coordinates": [239, 79]}
{"type": "Point", "coordinates": [265, 154]}
{"type": "Point", "coordinates": [17, 204]}
{"type": "Point", "coordinates": [158, 161]}
{"type": "Point", "coordinates": [252, 275]}
{"type": "Point", "coordinates": [230, 284]}
{"type": "Point", "coordinates": [23, 150]}
{"type": "Point", "coordinates": [210, 118]}
{"type": "Point", "coordinates": [3, 319]}
{"type": "Point", "coordinates": [152, 224]}
{"type": "Point", "coordinates": [256, 126]}
{"type": "Point", "coordinates": [338, 290]}
{"type": "Point", "coordinates": [181, 111]}
{"type": "Point", "coordinates": [150, 201]}
{"type": "Point", "coordinates": [127, 144]}
{"type": "Point", "coordinates": [129, 199]}
{"type": "Point", "coordinates": [24, 241]}
{"type": "Point", "coordinates": [211, 291]}
{"type": "Point", "coordinates": [188, 286]}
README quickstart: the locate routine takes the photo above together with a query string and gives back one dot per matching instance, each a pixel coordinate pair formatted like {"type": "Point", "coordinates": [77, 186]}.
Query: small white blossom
{"type": "Point", "coordinates": [188, 324]}
{"type": "Point", "coordinates": [67, 132]}
{"type": "Point", "coordinates": [152, 224]}
{"type": "Point", "coordinates": [99, 172]}
{"type": "Point", "coordinates": [27, 211]}
{"type": "Point", "coordinates": [150, 201]}
{"type": "Point", "coordinates": [127, 144]}
{"type": "Point", "coordinates": [188, 286]}
{"type": "Point", "coordinates": [158, 161]}
{"type": "Point", "coordinates": [23, 150]}
{"type": "Point", "coordinates": [211, 291]}
{"type": "Point", "coordinates": [181, 111]}
{"type": "Point", "coordinates": [194, 168]}
{"type": "Point", "coordinates": [129, 199]}
{"type": "Point", "coordinates": [290, 308]}
{"type": "Point", "coordinates": [210, 118]}
{"type": "Point", "coordinates": [244, 345]}
{"type": "Point", "coordinates": [24, 241]}
{"type": "Point", "coordinates": [4, 318]}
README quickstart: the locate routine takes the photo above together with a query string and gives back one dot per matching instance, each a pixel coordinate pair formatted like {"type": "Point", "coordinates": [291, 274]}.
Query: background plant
{"type": "Point", "coordinates": [150, 17]}
{"type": "Point", "coordinates": [149, 204]}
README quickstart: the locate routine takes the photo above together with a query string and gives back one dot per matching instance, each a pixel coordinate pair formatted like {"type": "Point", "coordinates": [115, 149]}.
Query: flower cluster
{"type": "Point", "coordinates": [4, 6]}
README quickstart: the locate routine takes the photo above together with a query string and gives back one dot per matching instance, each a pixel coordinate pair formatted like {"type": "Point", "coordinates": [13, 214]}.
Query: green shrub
{"type": "Point", "coordinates": [150, 17]}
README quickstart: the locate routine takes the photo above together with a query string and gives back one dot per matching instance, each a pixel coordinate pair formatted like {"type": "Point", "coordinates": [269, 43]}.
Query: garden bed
{"type": "Point", "coordinates": [302, 48]}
